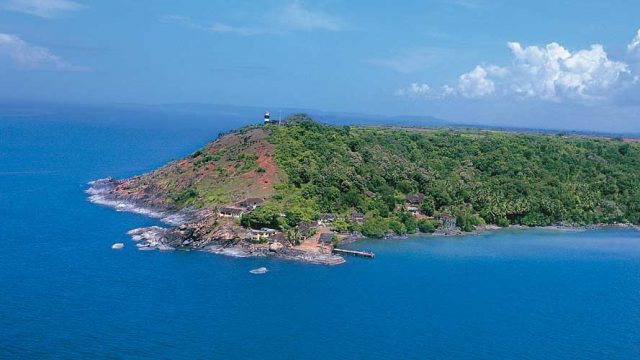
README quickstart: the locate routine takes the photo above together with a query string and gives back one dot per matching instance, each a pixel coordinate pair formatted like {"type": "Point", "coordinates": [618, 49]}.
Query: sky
{"type": "Point", "coordinates": [571, 64]}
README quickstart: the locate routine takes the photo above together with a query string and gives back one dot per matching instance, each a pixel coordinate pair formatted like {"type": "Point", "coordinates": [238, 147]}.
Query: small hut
{"type": "Point", "coordinates": [326, 238]}
{"type": "Point", "coordinates": [416, 199]}
{"type": "Point", "coordinates": [357, 218]}
{"type": "Point", "coordinates": [230, 211]}
{"type": "Point", "coordinates": [251, 203]}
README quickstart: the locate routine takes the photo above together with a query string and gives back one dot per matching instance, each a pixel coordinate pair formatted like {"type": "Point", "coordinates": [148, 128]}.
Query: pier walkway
{"type": "Point", "coordinates": [365, 254]}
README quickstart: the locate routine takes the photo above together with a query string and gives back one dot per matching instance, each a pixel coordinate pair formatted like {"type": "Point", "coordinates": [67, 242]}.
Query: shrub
{"type": "Point", "coordinates": [375, 227]}
{"type": "Point", "coordinates": [427, 226]}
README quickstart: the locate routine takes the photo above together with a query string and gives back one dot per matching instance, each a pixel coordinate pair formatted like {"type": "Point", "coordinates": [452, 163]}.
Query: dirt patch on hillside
{"type": "Point", "coordinates": [267, 173]}
{"type": "Point", "coordinates": [236, 166]}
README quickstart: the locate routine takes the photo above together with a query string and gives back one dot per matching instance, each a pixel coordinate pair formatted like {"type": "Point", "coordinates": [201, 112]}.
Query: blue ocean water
{"type": "Point", "coordinates": [65, 294]}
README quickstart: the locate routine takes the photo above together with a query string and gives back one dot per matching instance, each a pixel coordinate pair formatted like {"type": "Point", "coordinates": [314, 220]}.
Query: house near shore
{"type": "Point", "coordinates": [231, 211]}
{"type": "Point", "coordinates": [306, 229]}
{"type": "Point", "coordinates": [327, 219]}
{"type": "Point", "coordinates": [414, 210]}
{"type": "Point", "coordinates": [357, 218]}
{"type": "Point", "coordinates": [326, 238]}
{"type": "Point", "coordinates": [413, 203]}
{"type": "Point", "coordinates": [262, 234]}
{"type": "Point", "coordinates": [251, 203]}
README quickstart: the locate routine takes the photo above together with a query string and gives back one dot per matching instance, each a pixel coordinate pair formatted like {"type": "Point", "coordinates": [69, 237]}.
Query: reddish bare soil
{"type": "Point", "coordinates": [202, 173]}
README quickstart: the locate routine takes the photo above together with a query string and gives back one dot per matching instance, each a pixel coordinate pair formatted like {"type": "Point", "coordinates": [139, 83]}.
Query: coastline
{"type": "Point", "coordinates": [183, 223]}
{"type": "Point", "coordinates": [101, 193]}
{"type": "Point", "coordinates": [493, 228]}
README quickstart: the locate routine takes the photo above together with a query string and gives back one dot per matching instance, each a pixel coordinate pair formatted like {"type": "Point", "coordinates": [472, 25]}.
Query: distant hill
{"type": "Point", "coordinates": [198, 113]}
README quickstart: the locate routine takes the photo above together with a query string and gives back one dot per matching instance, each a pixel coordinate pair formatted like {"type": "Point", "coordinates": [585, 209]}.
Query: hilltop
{"type": "Point", "coordinates": [295, 182]}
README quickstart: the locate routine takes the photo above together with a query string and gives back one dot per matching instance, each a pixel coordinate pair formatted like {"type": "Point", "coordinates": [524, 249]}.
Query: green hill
{"type": "Point", "coordinates": [305, 169]}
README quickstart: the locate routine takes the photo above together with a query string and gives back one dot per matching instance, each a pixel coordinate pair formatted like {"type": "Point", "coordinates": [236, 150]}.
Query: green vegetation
{"type": "Point", "coordinates": [427, 226]}
{"type": "Point", "coordinates": [186, 196]}
{"type": "Point", "coordinates": [475, 176]}
{"type": "Point", "coordinates": [469, 178]}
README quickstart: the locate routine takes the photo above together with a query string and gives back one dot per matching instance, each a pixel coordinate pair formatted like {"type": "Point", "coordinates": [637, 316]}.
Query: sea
{"type": "Point", "coordinates": [66, 294]}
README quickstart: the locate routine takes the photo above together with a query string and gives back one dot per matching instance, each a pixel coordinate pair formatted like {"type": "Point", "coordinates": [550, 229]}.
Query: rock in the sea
{"type": "Point", "coordinates": [117, 246]}
{"type": "Point", "coordinates": [260, 270]}
{"type": "Point", "coordinates": [275, 246]}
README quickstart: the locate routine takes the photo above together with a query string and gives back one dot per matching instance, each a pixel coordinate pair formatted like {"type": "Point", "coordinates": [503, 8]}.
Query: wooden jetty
{"type": "Point", "coordinates": [365, 254]}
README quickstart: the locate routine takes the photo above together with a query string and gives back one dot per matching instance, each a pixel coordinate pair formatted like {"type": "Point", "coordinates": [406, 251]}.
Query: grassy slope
{"type": "Point", "coordinates": [234, 167]}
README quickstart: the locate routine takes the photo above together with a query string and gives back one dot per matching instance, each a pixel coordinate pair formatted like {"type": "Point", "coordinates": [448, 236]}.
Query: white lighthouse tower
{"type": "Point", "coordinates": [267, 118]}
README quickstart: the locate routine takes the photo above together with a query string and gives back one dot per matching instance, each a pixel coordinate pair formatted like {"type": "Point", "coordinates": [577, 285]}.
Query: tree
{"type": "Point", "coordinates": [428, 206]}
{"type": "Point", "coordinates": [427, 226]}
{"type": "Point", "coordinates": [375, 227]}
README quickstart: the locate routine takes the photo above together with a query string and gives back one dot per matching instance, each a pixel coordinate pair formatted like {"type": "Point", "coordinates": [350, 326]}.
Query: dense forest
{"type": "Point", "coordinates": [475, 176]}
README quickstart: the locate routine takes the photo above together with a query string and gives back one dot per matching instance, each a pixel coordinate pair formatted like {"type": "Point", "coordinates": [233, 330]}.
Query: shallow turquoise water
{"type": "Point", "coordinates": [65, 294]}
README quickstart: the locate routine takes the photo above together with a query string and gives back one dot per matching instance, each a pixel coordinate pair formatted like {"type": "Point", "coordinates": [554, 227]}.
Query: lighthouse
{"type": "Point", "coordinates": [267, 118]}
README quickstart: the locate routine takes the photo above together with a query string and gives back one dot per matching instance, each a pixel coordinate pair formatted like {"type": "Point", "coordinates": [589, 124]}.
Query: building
{"type": "Point", "coordinates": [415, 199]}
{"type": "Point", "coordinates": [357, 218]}
{"type": "Point", "coordinates": [326, 238]}
{"type": "Point", "coordinates": [414, 210]}
{"type": "Point", "coordinates": [251, 203]}
{"type": "Point", "coordinates": [230, 211]}
{"type": "Point", "coordinates": [263, 234]}
{"type": "Point", "coordinates": [327, 219]}
{"type": "Point", "coordinates": [306, 229]}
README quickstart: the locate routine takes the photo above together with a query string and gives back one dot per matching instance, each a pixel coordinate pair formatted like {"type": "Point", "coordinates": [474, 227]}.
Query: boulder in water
{"type": "Point", "coordinates": [260, 270]}
{"type": "Point", "coordinates": [117, 246]}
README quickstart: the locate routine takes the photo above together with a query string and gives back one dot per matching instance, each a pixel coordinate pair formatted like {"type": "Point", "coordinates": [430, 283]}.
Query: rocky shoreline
{"type": "Point", "coordinates": [190, 229]}
{"type": "Point", "coordinates": [101, 192]}
{"type": "Point", "coordinates": [164, 239]}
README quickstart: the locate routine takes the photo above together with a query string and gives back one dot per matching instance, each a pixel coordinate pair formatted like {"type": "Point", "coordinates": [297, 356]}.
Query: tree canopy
{"type": "Point", "coordinates": [475, 176]}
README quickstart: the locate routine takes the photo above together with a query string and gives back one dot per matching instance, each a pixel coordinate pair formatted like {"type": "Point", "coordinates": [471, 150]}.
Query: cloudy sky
{"type": "Point", "coordinates": [570, 64]}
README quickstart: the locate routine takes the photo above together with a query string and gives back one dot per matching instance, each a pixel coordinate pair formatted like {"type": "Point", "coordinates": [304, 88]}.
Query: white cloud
{"type": "Point", "coordinates": [416, 90]}
{"type": "Point", "coordinates": [550, 73]}
{"type": "Point", "coordinates": [424, 91]}
{"type": "Point", "coordinates": [42, 8]}
{"type": "Point", "coordinates": [634, 45]}
{"type": "Point", "coordinates": [477, 83]}
{"type": "Point", "coordinates": [295, 16]}
{"type": "Point", "coordinates": [32, 57]}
